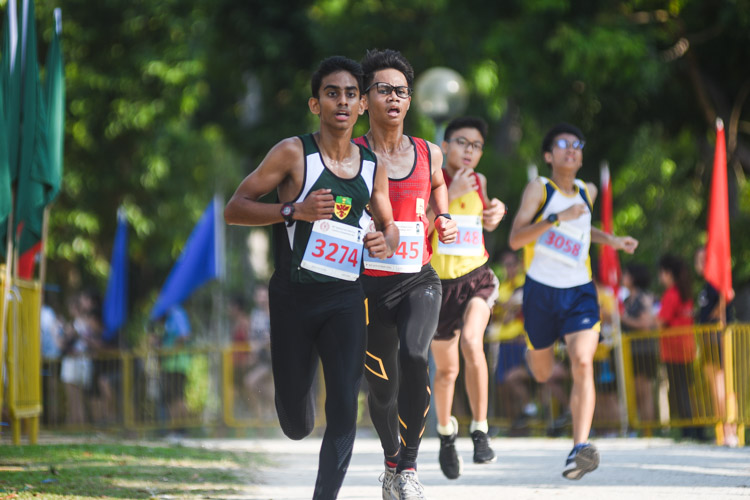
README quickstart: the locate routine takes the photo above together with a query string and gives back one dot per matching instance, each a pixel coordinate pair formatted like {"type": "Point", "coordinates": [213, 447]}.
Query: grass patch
{"type": "Point", "coordinates": [62, 471]}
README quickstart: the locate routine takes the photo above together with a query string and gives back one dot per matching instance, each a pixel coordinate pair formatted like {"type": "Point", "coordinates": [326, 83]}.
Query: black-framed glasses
{"type": "Point", "coordinates": [467, 144]}
{"type": "Point", "coordinates": [383, 88]}
{"type": "Point", "coordinates": [565, 144]}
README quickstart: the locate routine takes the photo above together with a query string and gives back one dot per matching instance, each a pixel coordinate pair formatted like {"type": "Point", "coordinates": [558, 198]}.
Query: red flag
{"type": "Point", "coordinates": [718, 271]}
{"type": "Point", "coordinates": [609, 263]}
{"type": "Point", "coordinates": [27, 261]}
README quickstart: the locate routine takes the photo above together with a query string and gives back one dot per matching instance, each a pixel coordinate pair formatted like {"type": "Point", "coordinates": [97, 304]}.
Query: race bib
{"type": "Point", "coordinates": [408, 255]}
{"type": "Point", "coordinates": [334, 249]}
{"type": "Point", "coordinates": [564, 243]}
{"type": "Point", "coordinates": [469, 240]}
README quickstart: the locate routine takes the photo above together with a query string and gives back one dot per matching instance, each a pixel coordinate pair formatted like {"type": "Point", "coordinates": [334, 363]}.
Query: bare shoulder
{"type": "Point", "coordinates": [288, 149]}
{"type": "Point", "coordinates": [593, 191]}
{"type": "Point", "coordinates": [436, 156]}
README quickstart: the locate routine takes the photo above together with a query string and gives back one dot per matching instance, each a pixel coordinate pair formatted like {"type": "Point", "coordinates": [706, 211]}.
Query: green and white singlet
{"type": "Point", "coordinates": [327, 250]}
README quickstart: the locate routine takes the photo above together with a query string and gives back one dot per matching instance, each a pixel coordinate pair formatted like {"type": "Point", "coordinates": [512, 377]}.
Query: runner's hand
{"type": "Point", "coordinates": [463, 182]}
{"type": "Point", "coordinates": [446, 229]}
{"type": "Point", "coordinates": [317, 206]}
{"type": "Point", "coordinates": [494, 213]}
{"type": "Point", "coordinates": [573, 212]}
{"type": "Point", "coordinates": [626, 243]}
{"type": "Point", "coordinates": [375, 243]}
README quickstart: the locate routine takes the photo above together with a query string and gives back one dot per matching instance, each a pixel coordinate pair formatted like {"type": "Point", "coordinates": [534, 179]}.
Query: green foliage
{"type": "Point", "coordinates": [171, 101]}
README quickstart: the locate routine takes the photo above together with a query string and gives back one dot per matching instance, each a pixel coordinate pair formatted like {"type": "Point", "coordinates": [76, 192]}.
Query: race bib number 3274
{"type": "Point", "coordinates": [334, 249]}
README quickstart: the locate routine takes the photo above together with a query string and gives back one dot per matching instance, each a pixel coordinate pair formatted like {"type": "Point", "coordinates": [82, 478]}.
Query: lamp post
{"type": "Point", "coordinates": [440, 93]}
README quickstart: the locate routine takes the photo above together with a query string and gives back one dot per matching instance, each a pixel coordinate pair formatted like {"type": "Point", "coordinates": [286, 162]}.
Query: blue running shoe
{"type": "Point", "coordinates": [583, 459]}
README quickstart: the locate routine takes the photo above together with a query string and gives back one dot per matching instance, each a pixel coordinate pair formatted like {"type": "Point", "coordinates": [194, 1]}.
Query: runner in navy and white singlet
{"type": "Point", "coordinates": [553, 223]}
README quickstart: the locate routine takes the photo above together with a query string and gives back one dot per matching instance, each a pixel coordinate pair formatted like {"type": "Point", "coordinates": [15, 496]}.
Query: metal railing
{"type": "Point", "coordinates": [706, 384]}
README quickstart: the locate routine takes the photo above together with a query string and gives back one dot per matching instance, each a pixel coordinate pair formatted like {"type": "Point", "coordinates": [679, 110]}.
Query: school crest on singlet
{"type": "Point", "coordinates": [342, 206]}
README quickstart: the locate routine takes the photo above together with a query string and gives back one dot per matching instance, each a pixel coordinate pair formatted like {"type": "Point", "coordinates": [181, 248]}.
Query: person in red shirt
{"type": "Point", "coordinates": [677, 342]}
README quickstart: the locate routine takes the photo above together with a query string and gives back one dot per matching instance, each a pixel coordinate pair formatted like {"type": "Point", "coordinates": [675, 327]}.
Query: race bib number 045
{"type": "Point", "coordinates": [408, 256]}
{"type": "Point", "coordinates": [469, 240]}
{"type": "Point", "coordinates": [564, 243]}
{"type": "Point", "coordinates": [334, 249]}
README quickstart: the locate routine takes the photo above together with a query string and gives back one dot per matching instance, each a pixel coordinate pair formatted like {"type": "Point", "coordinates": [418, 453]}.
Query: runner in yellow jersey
{"type": "Point", "coordinates": [469, 292]}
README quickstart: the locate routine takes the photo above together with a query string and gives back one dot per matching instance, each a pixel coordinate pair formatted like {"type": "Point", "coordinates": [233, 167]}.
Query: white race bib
{"type": "Point", "coordinates": [564, 243]}
{"type": "Point", "coordinates": [469, 241]}
{"type": "Point", "coordinates": [408, 256]}
{"type": "Point", "coordinates": [334, 249]}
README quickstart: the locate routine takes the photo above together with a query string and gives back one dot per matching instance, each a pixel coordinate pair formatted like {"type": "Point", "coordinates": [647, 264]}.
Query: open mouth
{"type": "Point", "coordinates": [393, 111]}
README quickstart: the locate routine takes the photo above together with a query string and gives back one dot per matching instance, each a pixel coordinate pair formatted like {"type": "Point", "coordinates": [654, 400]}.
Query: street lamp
{"type": "Point", "coordinates": [440, 93]}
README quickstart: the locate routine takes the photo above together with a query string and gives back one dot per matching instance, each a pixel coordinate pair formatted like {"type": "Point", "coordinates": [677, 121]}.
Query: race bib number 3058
{"type": "Point", "coordinates": [564, 243]}
{"type": "Point", "coordinates": [334, 249]}
{"type": "Point", "coordinates": [469, 240]}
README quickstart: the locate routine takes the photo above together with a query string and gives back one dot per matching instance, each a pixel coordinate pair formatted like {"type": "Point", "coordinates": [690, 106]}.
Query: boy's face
{"type": "Point", "coordinates": [567, 156]}
{"type": "Point", "coordinates": [463, 149]}
{"type": "Point", "coordinates": [339, 103]}
{"type": "Point", "coordinates": [384, 106]}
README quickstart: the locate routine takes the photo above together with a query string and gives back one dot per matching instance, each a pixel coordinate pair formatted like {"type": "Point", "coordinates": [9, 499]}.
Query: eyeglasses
{"type": "Point", "coordinates": [467, 144]}
{"type": "Point", "coordinates": [386, 88]}
{"type": "Point", "coordinates": [565, 144]}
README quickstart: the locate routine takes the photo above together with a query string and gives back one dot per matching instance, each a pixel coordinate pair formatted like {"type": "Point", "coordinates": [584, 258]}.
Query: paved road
{"type": "Point", "coordinates": [526, 468]}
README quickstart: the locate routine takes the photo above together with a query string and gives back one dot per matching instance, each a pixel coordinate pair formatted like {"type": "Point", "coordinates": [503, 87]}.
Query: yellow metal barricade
{"type": "Point", "coordinates": [23, 358]}
{"type": "Point", "coordinates": [705, 385]}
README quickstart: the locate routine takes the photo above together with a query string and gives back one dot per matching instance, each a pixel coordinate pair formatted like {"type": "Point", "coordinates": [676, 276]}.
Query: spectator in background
{"type": "Point", "coordinates": [76, 370]}
{"type": "Point", "coordinates": [506, 329]}
{"type": "Point", "coordinates": [240, 340]}
{"type": "Point", "coordinates": [175, 365]}
{"type": "Point", "coordinates": [100, 391]}
{"type": "Point", "coordinates": [638, 316]}
{"type": "Point", "coordinates": [52, 343]}
{"type": "Point", "coordinates": [259, 375]}
{"type": "Point", "coordinates": [677, 350]}
{"type": "Point", "coordinates": [607, 410]}
{"type": "Point", "coordinates": [708, 313]}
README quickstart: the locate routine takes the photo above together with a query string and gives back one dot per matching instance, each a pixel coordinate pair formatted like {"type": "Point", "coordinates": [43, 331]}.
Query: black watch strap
{"type": "Point", "coordinates": [446, 215]}
{"type": "Point", "coordinates": [287, 212]}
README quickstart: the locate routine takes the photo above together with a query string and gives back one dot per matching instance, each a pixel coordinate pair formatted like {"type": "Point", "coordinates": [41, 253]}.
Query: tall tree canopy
{"type": "Point", "coordinates": [170, 101]}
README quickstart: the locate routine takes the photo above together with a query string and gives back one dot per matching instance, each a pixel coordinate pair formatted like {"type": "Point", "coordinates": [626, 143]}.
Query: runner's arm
{"type": "Point", "coordinates": [384, 241]}
{"type": "Point", "coordinates": [439, 199]}
{"type": "Point", "coordinates": [495, 211]}
{"type": "Point", "coordinates": [524, 231]}
{"type": "Point", "coordinates": [276, 171]}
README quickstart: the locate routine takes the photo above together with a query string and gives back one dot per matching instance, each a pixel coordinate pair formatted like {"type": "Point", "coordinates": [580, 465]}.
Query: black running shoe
{"type": "Point", "coordinates": [483, 454]}
{"type": "Point", "coordinates": [582, 459]}
{"type": "Point", "coordinates": [450, 463]}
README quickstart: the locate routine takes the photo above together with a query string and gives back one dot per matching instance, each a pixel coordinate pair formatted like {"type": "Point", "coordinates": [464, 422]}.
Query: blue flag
{"type": "Point", "coordinates": [201, 260]}
{"type": "Point", "coordinates": [115, 307]}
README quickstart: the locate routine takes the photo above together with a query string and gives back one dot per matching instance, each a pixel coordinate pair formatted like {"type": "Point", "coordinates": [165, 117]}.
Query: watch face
{"type": "Point", "coordinates": [286, 210]}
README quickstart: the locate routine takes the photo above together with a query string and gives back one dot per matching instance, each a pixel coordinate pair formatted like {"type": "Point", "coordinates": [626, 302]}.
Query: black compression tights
{"type": "Point", "coordinates": [305, 326]}
{"type": "Point", "coordinates": [402, 323]}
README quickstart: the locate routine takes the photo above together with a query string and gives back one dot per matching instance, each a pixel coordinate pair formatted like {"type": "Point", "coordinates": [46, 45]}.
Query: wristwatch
{"type": "Point", "coordinates": [287, 212]}
{"type": "Point", "coordinates": [552, 218]}
{"type": "Point", "coordinates": [446, 215]}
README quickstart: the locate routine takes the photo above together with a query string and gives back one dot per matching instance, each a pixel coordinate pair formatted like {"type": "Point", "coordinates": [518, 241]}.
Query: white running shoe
{"type": "Point", "coordinates": [387, 478]}
{"type": "Point", "coordinates": [408, 486]}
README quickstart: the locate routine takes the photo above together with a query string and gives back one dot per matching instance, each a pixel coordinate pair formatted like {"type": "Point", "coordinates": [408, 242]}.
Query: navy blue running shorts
{"type": "Point", "coordinates": [551, 313]}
